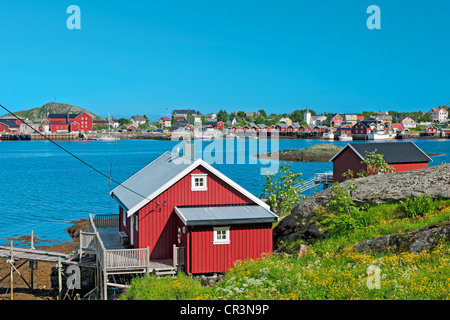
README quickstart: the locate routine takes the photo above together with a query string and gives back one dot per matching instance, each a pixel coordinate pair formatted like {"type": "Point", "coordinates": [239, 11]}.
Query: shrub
{"type": "Point", "coordinates": [417, 206]}
{"type": "Point", "coordinates": [281, 189]}
{"type": "Point", "coordinates": [342, 213]}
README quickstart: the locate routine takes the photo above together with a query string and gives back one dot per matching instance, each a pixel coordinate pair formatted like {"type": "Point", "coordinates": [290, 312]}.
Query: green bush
{"type": "Point", "coordinates": [417, 206]}
{"type": "Point", "coordinates": [342, 214]}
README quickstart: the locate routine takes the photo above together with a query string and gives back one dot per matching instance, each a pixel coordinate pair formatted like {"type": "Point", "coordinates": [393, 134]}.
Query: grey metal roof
{"type": "Point", "coordinates": [162, 173]}
{"type": "Point", "coordinates": [147, 181]}
{"type": "Point", "coordinates": [138, 118]}
{"type": "Point", "coordinates": [64, 115]}
{"type": "Point", "coordinates": [224, 215]}
{"type": "Point", "coordinates": [393, 152]}
{"type": "Point", "coordinates": [9, 123]}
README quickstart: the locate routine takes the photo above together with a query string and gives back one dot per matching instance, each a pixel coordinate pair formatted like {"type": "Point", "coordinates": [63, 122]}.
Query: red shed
{"type": "Point", "coordinates": [431, 129]}
{"type": "Point", "coordinates": [9, 126]}
{"type": "Point", "coordinates": [403, 156]}
{"type": "Point", "coordinates": [177, 200]}
{"type": "Point", "coordinates": [335, 120]}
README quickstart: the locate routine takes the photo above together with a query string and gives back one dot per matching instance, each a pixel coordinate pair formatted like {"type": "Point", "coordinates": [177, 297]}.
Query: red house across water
{"type": "Point", "coordinates": [61, 122]}
{"type": "Point", "coordinates": [178, 200]}
{"type": "Point", "coordinates": [403, 156]}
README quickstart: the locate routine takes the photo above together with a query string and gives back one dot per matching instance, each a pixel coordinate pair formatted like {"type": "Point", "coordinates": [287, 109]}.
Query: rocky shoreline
{"type": "Point", "coordinates": [45, 278]}
{"type": "Point", "coordinates": [393, 187]}
{"type": "Point", "coordinates": [321, 152]}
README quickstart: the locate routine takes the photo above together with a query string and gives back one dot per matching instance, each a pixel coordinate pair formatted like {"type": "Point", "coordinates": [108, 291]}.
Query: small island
{"type": "Point", "coordinates": [321, 152]}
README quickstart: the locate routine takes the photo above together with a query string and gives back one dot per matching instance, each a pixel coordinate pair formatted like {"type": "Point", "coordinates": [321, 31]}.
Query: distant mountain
{"type": "Point", "coordinates": [53, 107]}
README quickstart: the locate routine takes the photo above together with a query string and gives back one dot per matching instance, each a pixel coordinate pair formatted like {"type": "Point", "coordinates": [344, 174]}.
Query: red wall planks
{"type": "Point", "coordinates": [345, 161]}
{"type": "Point", "coordinates": [349, 160]}
{"type": "Point", "coordinates": [246, 242]}
{"type": "Point", "coordinates": [409, 166]}
{"type": "Point", "coordinates": [158, 223]}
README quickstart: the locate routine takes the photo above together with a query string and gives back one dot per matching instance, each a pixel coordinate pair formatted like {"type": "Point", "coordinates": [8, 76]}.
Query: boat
{"type": "Point", "coordinates": [110, 136]}
{"type": "Point", "coordinates": [328, 135]}
{"type": "Point", "coordinates": [107, 138]}
{"type": "Point", "coordinates": [381, 134]}
{"type": "Point", "coordinates": [345, 137]}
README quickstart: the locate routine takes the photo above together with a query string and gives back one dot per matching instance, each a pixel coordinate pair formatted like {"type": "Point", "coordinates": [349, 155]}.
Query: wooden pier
{"type": "Point", "coordinates": [325, 178]}
{"type": "Point", "coordinates": [43, 136]}
{"type": "Point", "coordinates": [102, 250]}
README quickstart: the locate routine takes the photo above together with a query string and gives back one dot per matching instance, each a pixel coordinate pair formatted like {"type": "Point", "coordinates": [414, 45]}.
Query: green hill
{"type": "Point", "coordinates": [53, 107]}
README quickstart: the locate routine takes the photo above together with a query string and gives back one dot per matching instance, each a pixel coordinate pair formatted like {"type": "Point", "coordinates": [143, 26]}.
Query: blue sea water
{"type": "Point", "coordinates": [44, 189]}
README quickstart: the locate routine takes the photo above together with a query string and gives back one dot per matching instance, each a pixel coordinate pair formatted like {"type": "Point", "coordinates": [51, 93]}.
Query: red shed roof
{"type": "Point", "coordinates": [393, 152]}
{"type": "Point", "coordinates": [398, 126]}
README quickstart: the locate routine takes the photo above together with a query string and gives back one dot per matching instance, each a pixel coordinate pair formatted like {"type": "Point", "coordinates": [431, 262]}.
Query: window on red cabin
{"type": "Point", "coordinates": [221, 235]}
{"type": "Point", "coordinates": [198, 182]}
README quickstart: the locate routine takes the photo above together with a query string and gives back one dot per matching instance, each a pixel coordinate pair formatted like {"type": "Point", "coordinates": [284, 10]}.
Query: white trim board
{"type": "Point", "coordinates": [183, 173]}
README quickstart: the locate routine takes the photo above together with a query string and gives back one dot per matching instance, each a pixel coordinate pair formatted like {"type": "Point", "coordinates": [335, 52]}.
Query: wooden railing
{"type": "Point", "coordinates": [127, 258]}
{"type": "Point", "coordinates": [111, 259]}
{"type": "Point", "coordinates": [106, 220]}
{"type": "Point", "coordinates": [87, 243]}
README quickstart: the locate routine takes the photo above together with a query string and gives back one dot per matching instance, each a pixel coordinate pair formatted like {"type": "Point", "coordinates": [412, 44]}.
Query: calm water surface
{"type": "Point", "coordinates": [43, 188]}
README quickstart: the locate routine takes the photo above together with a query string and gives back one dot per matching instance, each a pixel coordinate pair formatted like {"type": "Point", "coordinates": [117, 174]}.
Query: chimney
{"type": "Point", "coordinates": [189, 150]}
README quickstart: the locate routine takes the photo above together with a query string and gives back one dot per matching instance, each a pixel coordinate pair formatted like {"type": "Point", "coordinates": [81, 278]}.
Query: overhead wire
{"type": "Point", "coordinates": [74, 156]}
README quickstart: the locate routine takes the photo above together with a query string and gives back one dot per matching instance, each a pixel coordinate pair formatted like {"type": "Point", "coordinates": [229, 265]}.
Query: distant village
{"type": "Point", "coordinates": [300, 123]}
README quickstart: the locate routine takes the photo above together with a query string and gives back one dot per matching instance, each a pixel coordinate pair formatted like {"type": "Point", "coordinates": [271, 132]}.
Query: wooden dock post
{"type": "Point", "coordinates": [31, 262]}
{"type": "Point", "coordinates": [59, 267]}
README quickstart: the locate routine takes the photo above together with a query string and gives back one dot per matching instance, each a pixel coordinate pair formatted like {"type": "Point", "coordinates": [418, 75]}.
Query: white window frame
{"type": "Point", "coordinates": [204, 187]}
{"type": "Point", "coordinates": [220, 239]}
{"type": "Point", "coordinates": [124, 218]}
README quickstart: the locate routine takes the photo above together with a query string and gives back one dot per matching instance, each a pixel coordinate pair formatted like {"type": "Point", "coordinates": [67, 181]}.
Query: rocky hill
{"type": "Point", "coordinates": [321, 152]}
{"type": "Point", "coordinates": [53, 107]}
{"type": "Point", "coordinates": [433, 181]}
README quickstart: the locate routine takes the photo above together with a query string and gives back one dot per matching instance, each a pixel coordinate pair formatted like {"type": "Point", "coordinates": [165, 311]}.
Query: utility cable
{"type": "Point", "coordinates": [76, 157]}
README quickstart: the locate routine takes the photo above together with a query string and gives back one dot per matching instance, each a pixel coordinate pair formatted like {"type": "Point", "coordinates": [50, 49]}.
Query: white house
{"type": "Point", "coordinates": [408, 122]}
{"type": "Point", "coordinates": [439, 114]}
{"type": "Point", "coordinates": [137, 120]}
{"type": "Point", "coordinates": [211, 116]}
{"type": "Point", "coordinates": [231, 121]}
{"type": "Point", "coordinates": [113, 122]}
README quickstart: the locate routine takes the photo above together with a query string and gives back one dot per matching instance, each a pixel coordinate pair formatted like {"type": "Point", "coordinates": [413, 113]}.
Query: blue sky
{"type": "Point", "coordinates": [146, 57]}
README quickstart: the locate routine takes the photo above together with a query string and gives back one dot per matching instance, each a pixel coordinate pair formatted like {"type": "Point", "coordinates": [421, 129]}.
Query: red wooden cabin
{"type": "Point", "coordinates": [403, 156]}
{"type": "Point", "coordinates": [335, 120]}
{"type": "Point", "coordinates": [431, 129]}
{"type": "Point", "coordinates": [177, 200]}
{"type": "Point", "coordinates": [9, 126]}
{"type": "Point", "coordinates": [70, 122]}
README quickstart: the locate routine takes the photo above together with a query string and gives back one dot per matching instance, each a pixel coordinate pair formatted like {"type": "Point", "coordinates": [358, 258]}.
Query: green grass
{"type": "Point", "coordinates": [150, 287]}
{"type": "Point", "coordinates": [331, 269]}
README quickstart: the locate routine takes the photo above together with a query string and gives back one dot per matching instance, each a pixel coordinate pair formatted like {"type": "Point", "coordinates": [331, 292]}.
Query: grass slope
{"type": "Point", "coordinates": [331, 269]}
{"type": "Point", "coordinates": [52, 107]}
